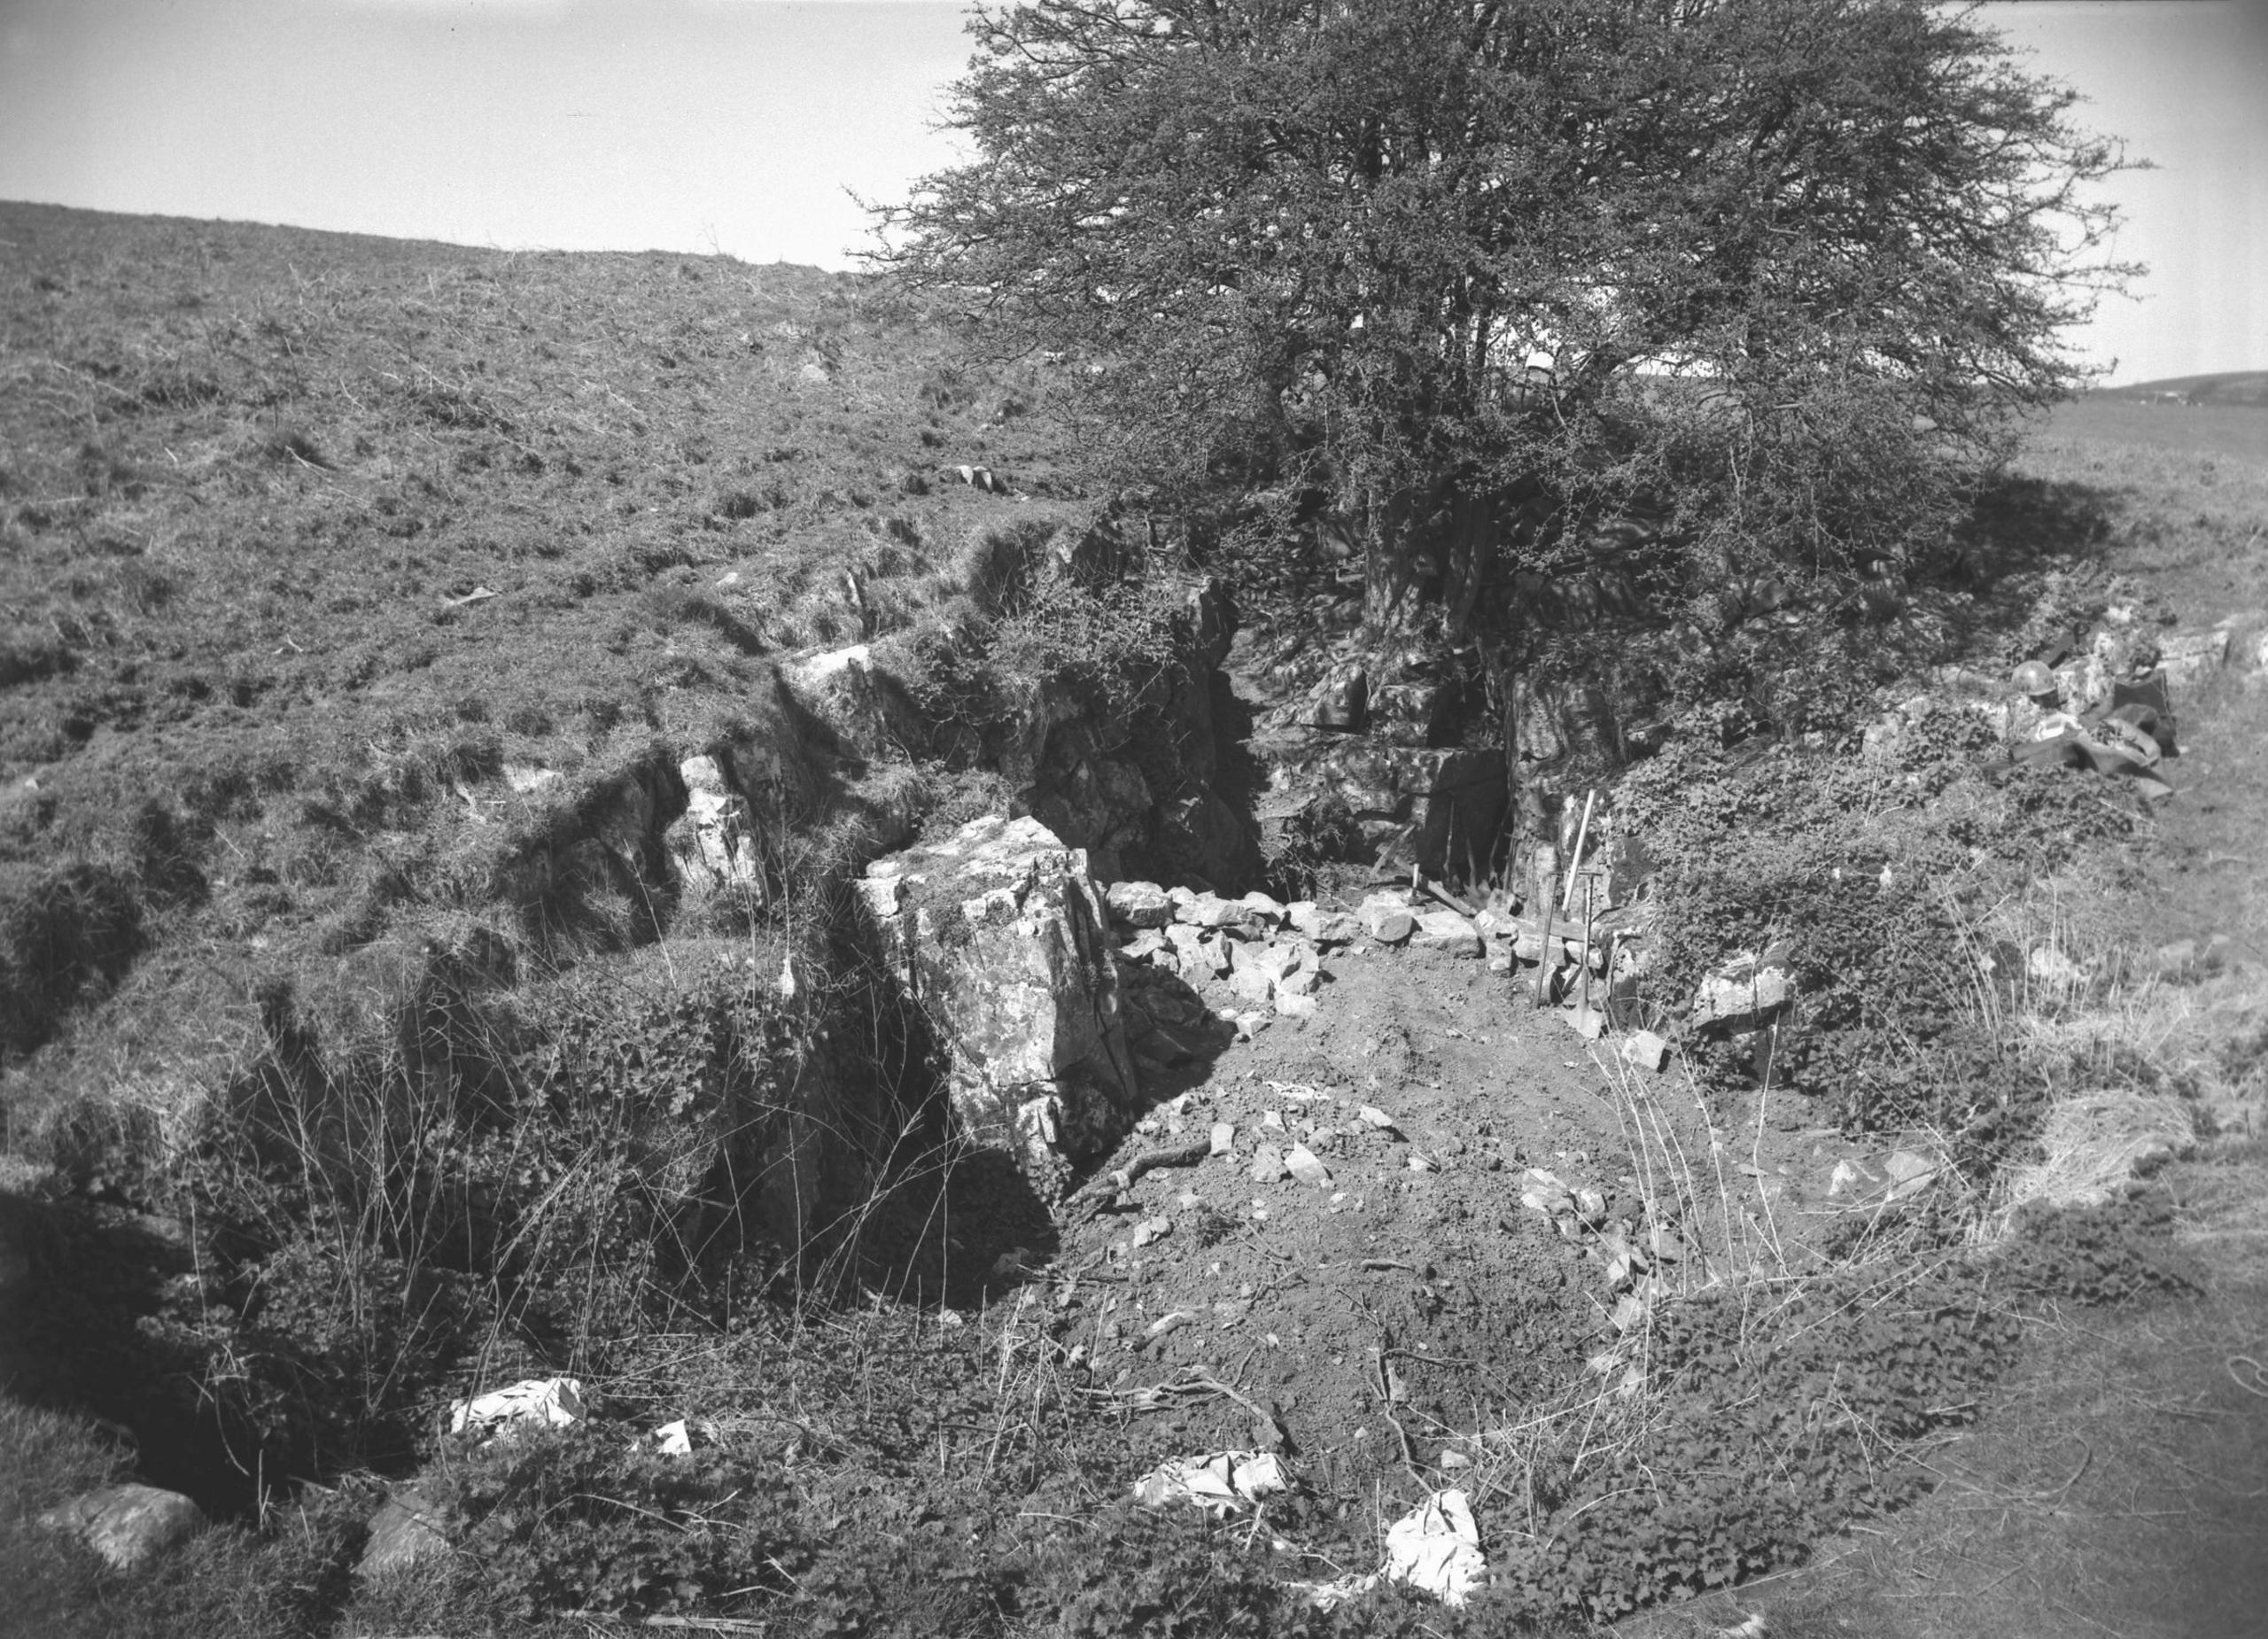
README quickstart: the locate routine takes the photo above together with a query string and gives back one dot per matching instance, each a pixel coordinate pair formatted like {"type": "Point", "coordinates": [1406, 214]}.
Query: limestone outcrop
{"type": "Point", "coordinates": [1001, 936]}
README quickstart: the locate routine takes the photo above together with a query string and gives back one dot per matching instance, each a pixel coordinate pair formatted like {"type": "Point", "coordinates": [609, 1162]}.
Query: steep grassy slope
{"type": "Point", "coordinates": [307, 541]}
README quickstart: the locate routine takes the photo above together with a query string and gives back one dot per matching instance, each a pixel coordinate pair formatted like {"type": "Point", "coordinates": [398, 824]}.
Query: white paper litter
{"type": "Point", "coordinates": [552, 1403]}
{"type": "Point", "coordinates": [1222, 1483]}
{"type": "Point", "coordinates": [673, 1439]}
{"type": "Point", "coordinates": [1435, 1548]}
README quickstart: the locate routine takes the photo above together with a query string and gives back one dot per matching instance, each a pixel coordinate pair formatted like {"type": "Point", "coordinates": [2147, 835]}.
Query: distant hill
{"type": "Point", "coordinates": [2248, 387]}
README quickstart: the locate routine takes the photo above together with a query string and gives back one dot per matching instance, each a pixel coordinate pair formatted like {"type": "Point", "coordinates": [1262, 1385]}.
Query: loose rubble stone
{"type": "Point", "coordinates": [1746, 992]}
{"type": "Point", "coordinates": [1645, 1050]}
{"type": "Point", "coordinates": [1139, 904]}
{"type": "Point", "coordinates": [1251, 985]}
{"type": "Point", "coordinates": [1212, 911]}
{"type": "Point", "coordinates": [1866, 1181]}
{"type": "Point", "coordinates": [1448, 933]}
{"type": "Point", "coordinates": [1293, 1005]}
{"type": "Point", "coordinates": [1144, 945]}
{"type": "Point", "coordinates": [1224, 1138]}
{"type": "Point", "coordinates": [1267, 1164]}
{"type": "Point", "coordinates": [1269, 911]}
{"type": "Point", "coordinates": [129, 1525]}
{"type": "Point", "coordinates": [1388, 920]}
{"type": "Point", "coordinates": [1303, 1164]}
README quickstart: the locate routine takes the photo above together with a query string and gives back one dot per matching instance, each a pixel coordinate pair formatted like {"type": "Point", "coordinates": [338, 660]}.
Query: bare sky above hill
{"type": "Point", "coordinates": [737, 125]}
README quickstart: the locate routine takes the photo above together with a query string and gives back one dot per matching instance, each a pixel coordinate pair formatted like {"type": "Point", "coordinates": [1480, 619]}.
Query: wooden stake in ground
{"type": "Point", "coordinates": [1575, 859]}
{"type": "Point", "coordinates": [1589, 916]}
{"type": "Point", "coordinates": [1546, 884]}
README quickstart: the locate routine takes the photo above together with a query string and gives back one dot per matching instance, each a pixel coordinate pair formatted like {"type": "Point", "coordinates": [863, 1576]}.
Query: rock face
{"type": "Point", "coordinates": [1429, 805]}
{"type": "Point", "coordinates": [714, 840]}
{"type": "Point", "coordinates": [858, 699]}
{"type": "Point", "coordinates": [128, 1525]}
{"type": "Point", "coordinates": [1001, 936]}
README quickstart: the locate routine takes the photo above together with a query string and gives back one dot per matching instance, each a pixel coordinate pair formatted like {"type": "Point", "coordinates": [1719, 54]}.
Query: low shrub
{"type": "Point", "coordinates": [535, 1184]}
{"type": "Point", "coordinates": [1764, 1423]}
{"type": "Point", "coordinates": [2119, 1252]}
{"type": "Point", "coordinates": [1036, 624]}
{"type": "Point", "coordinates": [583, 1520]}
{"type": "Point", "coordinates": [1866, 872]}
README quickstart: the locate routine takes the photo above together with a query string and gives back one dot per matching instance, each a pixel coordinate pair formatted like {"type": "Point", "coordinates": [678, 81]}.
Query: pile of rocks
{"type": "Point", "coordinates": [1271, 954]}
{"type": "Point", "coordinates": [1276, 958]}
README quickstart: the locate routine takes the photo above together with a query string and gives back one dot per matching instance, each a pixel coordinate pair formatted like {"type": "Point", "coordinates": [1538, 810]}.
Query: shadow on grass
{"type": "Point", "coordinates": [81, 1282]}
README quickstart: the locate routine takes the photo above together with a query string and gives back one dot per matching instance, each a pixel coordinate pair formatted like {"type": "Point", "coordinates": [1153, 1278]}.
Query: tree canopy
{"type": "Point", "coordinates": [1479, 278]}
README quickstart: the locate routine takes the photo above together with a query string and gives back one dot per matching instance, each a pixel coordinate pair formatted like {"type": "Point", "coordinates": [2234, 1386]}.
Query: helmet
{"type": "Point", "coordinates": [2035, 678]}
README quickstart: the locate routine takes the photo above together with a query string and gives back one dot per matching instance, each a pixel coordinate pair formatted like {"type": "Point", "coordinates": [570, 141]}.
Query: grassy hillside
{"type": "Point", "coordinates": [358, 595]}
{"type": "Point", "coordinates": [2248, 387]}
{"type": "Point", "coordinates": [314, 549]}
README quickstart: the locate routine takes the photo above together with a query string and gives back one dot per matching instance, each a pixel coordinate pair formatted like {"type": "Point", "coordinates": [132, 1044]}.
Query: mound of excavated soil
{"type": "Point", "coordinates": [1410, 1287]}
{"type": "Point", "coordinates": [1389, 1313]}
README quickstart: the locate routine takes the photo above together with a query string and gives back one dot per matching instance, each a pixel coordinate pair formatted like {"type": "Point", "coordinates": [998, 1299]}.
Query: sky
{"type": "Point", "coordinates": [745, 125]}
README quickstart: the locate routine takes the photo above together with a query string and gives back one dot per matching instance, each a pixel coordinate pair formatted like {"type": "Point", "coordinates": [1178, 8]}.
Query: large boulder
{"type": "Point", "coordinates": [1002, 938]}
{"type": "Point", "coordinates": [128, 1525]}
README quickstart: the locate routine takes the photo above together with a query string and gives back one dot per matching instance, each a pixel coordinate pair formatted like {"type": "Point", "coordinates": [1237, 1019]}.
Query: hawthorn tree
{"type": "Point", "coordinates": [1484, 281]}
